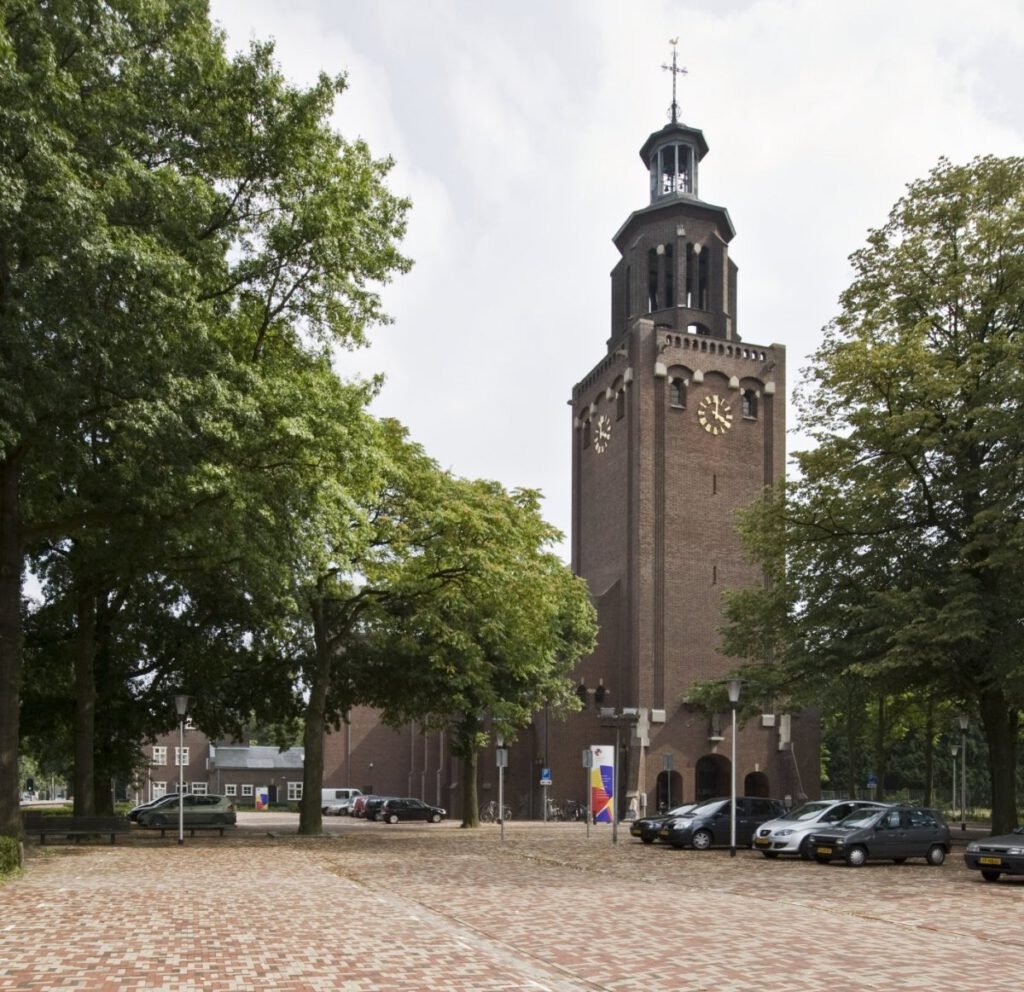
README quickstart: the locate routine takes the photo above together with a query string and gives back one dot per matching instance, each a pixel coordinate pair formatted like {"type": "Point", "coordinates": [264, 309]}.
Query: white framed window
{"type": "Point", "coordinates": [159, 789]}
{"type": "Point", "coordinates": [246, 790]}
{"type": "Point", "coordinates": [294, 792]}
{"type": "Point", "coordinates": [230, 790]}
{"type": "Point", "coordinates": [181, 756]}
{"type": "Point", "coordinates": [199, 788]}
{"type": "Point", "coordinates": [159, 756]}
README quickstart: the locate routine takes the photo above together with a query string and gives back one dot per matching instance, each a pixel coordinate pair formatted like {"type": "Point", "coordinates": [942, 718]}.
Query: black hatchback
{"type": "Point", "coordinates": [393, 810]}
{"type": "Point", "coordinates": [893, 833]}
{"type": "Point", "coordinates": [710, 822]}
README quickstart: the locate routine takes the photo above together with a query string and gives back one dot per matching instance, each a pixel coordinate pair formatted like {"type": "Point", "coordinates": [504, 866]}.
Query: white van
{"type": "Point", "coordinates": [335, 802]}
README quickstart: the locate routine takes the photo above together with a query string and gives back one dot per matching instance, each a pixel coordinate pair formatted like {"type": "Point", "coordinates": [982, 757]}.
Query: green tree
{"type": "Point", "coordinates": [484, 629]}
{"type": "Point", "coordinates": [183, 240]}
{"type": "Point", "coordinates": [898, 545]}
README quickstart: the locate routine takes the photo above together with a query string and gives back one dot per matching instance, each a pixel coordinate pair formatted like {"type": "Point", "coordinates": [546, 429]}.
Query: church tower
{"type": "Point", "coordinates": [678, 425]}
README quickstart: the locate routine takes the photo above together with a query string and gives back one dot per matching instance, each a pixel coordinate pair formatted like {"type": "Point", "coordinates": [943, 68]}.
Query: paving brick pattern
{"type": "Point", "coordinates": [373, 907]}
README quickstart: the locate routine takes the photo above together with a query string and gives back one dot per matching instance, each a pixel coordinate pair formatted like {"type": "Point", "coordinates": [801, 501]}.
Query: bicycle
{"type": "Point", "coordinates": [489, 813]}
{"type": "Point", "coordinates": [575, 811]}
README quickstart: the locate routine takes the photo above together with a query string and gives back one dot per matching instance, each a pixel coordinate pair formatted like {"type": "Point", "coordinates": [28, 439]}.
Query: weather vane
{"type": "Point", "coordinates": [676, 70]}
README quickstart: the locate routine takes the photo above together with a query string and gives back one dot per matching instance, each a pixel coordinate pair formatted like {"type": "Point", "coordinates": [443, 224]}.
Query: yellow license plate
{"type": "Point", "coordinates": [762, 842]}
{"type": "Point", "coordinates": [990, 861]}
{"type": "Point", "coordinates": [823, 850]}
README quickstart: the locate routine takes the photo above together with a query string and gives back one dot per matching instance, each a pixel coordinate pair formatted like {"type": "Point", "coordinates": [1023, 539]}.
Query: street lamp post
{"type": "Point", "coordinates": [963, 770]}
{"type": "Point", "coordinates": [502, 760]}
{"type": "Point", "coordinates": [612, 720]}
{"type": "Point", "coordinates": [954, 750]}
{"type": "Point", "coordinates": [734, 698]}
{"type": "Point", "coordinates": [181, 705]}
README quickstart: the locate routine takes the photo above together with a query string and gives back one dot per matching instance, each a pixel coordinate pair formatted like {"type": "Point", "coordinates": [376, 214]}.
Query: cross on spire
{"type": "Point", "coordinates": [676, 70]}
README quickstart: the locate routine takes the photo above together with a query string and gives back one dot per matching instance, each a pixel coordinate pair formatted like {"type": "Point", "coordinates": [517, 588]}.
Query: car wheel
{"type": "Point", "coordinates": [989, 875]}
{"type": "Point", "coordinates": [392, 818]}
{"type": "Point", "coordinates": [770, 854]}
{"type": "Point", "coordinates": [647, 840]}
{"type": "Point", "coordinates": [936, 855]}
{"type": "Point", "coordinates": [702, 840]}
{"type": "Point", "coordinates": [856, 856]}
{"type": "Point", "coordinates": [898, 861]}
{"type": "Point", "coordinates": [435, 817]}
{"type": "Point", "coordinates": [805, 849]}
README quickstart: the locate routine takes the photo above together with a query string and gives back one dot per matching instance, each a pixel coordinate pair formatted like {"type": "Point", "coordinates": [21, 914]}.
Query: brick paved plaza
{"type": "Point", "coordinates": [416, 907]}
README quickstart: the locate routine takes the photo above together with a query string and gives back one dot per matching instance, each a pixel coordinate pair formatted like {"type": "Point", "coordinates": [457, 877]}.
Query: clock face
{"type": "Point", "coordinates": [602, 433]}
{"type": "Point", "coordinates": [714, 414]}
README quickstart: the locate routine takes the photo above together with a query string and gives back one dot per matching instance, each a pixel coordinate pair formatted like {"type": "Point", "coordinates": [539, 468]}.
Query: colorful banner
{"type": "Point", "coordinates": [602, 782]}
{"type": "Point", "coordinates": [262, 796]}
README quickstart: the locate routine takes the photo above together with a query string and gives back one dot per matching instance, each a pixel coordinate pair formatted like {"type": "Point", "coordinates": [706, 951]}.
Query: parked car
{"type": "Point", "coordinates": [709, 822]}
{"type": "Point", "coordinates": [999, 855]}
{"type": "Point", "coordinates": [647, 827]}
{"type": "Point", "coordinates": [336, 801]}
{"type": "Point", "coordinates": [373, 805]}
{"type": "Point", "coordinates": [199, 811]}
{"type": "Point", "coordinates": [133, 814]}
{"type": "Point", "coordinates": [337, 807]}
{"type": "Point", "coordinates": [393, 810]}
{"type": "Point", "coordinates": [893, 833]}
{"type": "Point", "coordinates": [358, 805]}
{"type": "Point", "coordinates": [791, 833]}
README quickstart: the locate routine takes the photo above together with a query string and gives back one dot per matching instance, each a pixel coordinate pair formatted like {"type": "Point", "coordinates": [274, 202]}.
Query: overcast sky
{"type": "Point", "coordinates": [516, 129]}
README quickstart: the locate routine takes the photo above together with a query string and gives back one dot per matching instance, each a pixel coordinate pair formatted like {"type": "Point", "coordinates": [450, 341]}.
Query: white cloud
{"type": "Point", "coordinates": [516, 130]}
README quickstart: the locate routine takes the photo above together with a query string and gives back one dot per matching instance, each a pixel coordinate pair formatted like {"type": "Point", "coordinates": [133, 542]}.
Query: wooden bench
{"type": "Point", "coordinates": [38, 824]}
{"type": "Point", "coordinates": [191, 830]}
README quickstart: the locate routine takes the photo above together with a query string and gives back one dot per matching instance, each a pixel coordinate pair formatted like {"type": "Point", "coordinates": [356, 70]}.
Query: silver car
{"type": "Point", "coordinates": [790, 834]}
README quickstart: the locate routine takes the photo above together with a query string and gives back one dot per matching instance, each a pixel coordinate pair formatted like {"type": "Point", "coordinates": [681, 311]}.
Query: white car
{"type": "Point", "coordinates": [337, 807]}
{"type": "Point", "coordinates": [790, 834]}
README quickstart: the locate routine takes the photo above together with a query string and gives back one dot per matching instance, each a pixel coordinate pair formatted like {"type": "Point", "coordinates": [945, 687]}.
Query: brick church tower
{"type": "Point", "coordinates": [679, 424]}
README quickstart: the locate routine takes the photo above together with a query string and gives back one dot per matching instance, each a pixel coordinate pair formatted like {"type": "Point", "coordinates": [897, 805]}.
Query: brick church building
{"type": "Point", "coordinates": [678, 425]}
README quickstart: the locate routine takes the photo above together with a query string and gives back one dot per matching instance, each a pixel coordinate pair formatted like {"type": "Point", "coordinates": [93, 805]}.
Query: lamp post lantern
{"type": "Point", "coordinates": [734, 698]}
{"type": "Point", "coordinates": [964, 722]}
{"type": "Point", "coordinates": [181, 705]}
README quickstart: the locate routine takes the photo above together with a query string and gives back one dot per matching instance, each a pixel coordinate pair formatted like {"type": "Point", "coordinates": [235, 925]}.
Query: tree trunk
{"type": "Point", "coordinates": [851, 743]}
{"type": "Point", "coordinates": [310, 815]}
{"type": "Point", "coordinates": [880, 756]}
{"type": "Point", "coordinates": [1002, 727]}
{"type": "Point", "coordinates": [85, 705]}
{"type": "Point", "coordinates": [10, 649]}
{"type": "Point", "coordinates": [470, 812]}
{"type": "Point", "coordinates": [464, 747]}
{"type": "Point", "coordinates": [929, 762]}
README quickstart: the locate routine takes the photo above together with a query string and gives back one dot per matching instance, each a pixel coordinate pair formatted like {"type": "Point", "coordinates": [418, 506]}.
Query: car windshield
{"type": "Point", "coordinates": [708, 806]}
{"type": "Point", "coordinates": [809, 811]}
{"type": "Point", "coordinates": [859, 816]}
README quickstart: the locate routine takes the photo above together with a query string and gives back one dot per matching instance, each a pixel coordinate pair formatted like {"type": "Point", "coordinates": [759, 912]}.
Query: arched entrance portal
{"type": "Point", "coordinates": [756, 784]}
{"type": "Point", "coordinates": [669, 790]}
{"type": "Point", "coordinates": [712, 777]}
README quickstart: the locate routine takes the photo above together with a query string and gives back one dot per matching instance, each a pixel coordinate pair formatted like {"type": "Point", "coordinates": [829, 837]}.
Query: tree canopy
{"type": "Point", "coordinates": [183, 242]}
{"type": "Point", "coordinates": [895, 554]}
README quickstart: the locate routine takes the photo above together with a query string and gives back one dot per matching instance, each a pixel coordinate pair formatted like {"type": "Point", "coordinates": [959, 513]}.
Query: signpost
{"type": "Point", "coordinates": [545, 783]}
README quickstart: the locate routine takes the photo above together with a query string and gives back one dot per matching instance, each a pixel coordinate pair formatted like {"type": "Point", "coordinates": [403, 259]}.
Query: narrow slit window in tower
{"type": "Point", "coordinates": [652, 280]}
